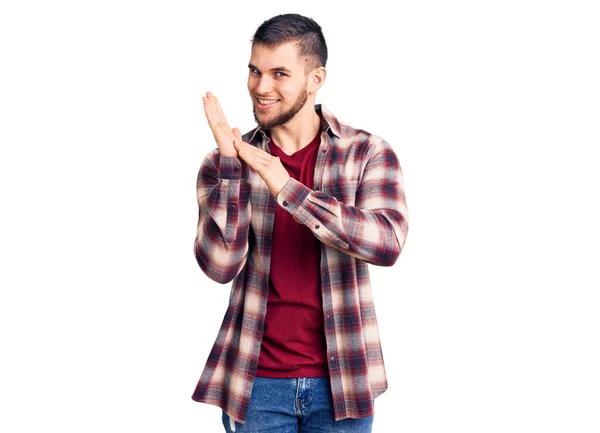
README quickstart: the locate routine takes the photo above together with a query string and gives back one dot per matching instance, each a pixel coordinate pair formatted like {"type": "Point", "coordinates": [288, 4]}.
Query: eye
{"type": "Point", "coordinates": [281, 74]}
{"type": "Point", "coordinates": [255, 71]}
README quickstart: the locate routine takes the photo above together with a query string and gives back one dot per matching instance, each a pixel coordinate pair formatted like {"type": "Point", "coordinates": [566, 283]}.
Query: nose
{"type": "Point", "coordinates": [265, 85]}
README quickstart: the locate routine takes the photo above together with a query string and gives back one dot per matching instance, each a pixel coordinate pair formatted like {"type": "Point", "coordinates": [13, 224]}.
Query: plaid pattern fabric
{"type": "Point", "coordinates": [358, 212]}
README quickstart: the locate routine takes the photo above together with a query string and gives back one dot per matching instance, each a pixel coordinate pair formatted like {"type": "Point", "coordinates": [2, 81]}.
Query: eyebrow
{"type": "Point", "coordinates": [276, 69]}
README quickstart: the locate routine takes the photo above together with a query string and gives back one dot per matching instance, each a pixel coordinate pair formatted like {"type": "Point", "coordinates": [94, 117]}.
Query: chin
{"type": "Point", "coordinates": [263, 118]}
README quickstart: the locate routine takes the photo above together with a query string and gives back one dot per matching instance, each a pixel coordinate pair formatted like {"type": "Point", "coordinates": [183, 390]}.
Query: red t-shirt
{"type": "Point", "coordinates": [293, 343]}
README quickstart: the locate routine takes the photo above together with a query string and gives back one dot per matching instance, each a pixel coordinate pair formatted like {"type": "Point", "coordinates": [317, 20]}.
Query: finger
{"type": "Point", "coordinates": [252, 161]}
{"type": "Point", "coordinates": [245, 156]}
{"type": "Point", "coordinates": [211, 115]}
{"type": "Point", "coordinates": [245, 150]}
{"type": "Point", "coordinates": [237, 134]}
{"type": "Point", "coordinates": [215, 101]}
{"type": "Point", "coordinates": [211, 103]}
{"type": "Point", "coordinates": [206, 98]}
{"type": "Point", "coordinates": [256, 160]}
{"type": "Point", "coordinates": [239, 142]}
{"type": "Point", "coordinates": [214, 114]}
{"type": "Point", "coordinates": [256, 153]}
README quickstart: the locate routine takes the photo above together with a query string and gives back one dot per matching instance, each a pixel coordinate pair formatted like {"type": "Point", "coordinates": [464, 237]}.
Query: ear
{"type": "Point", "coordinates": [316, 78]}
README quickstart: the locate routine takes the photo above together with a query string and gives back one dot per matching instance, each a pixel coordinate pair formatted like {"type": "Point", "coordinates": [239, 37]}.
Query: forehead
{"type": "Point", "coordinates": [268, 57]}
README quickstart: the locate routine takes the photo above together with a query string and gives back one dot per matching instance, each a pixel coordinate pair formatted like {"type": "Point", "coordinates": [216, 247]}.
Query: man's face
{"type": "Point", "coordinates": [277, 84]}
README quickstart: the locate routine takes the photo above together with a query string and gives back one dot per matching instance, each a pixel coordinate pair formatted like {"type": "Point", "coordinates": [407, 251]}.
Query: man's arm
{"type": "Point", "coordinates": [375, 229]}
{"type": "Point", "coordinates": [221, 245]}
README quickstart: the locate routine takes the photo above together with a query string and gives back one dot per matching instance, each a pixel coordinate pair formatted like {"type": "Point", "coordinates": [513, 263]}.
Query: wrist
{"type": "Point", "coordinates": [276, 189]}
{"type": "Point", "coordinates": [232, 154]}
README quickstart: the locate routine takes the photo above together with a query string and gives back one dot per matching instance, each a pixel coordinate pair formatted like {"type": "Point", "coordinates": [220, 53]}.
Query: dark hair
{"type": "Point", "coordinates": [304, 31]}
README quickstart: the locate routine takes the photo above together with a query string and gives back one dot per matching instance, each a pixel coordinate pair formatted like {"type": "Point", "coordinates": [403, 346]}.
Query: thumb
{"type": "Point", "coordinates": [237, 134]}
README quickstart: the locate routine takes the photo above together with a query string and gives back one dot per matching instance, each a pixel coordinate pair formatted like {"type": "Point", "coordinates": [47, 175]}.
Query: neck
{"type": "Point", "coordinates": [299, 131]}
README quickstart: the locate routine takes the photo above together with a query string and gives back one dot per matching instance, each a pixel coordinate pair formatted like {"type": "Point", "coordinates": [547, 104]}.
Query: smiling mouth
{"type": "Point", "coordinates": [265, 104]}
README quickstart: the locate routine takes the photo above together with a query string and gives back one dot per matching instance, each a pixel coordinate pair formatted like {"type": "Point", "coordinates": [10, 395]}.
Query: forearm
{"type": "Point", "coordinates": [221, 244]}
{"type": "Point", "coordinates": [373, 228]}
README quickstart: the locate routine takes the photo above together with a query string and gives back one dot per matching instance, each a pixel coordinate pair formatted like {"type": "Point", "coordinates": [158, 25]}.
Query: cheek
{"type": "Point", "coordinates": [288, 91]}
{"type": "Point", "coordinates": [253, 82]}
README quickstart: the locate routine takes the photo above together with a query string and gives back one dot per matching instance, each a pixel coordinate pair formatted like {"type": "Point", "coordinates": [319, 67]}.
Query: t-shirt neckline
{"type": "Point", "coordinates": [300, 152]}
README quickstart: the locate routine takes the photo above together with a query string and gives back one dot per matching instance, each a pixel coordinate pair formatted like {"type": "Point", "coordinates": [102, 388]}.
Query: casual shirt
{"type": "Point", "coordinates": [357, 210]}
{"type": "Point", "coordinates": [293, 343]}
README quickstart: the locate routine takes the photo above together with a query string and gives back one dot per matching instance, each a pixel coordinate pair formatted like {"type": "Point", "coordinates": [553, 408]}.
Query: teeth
{"type": "Point", "coordinates": [267, 101]}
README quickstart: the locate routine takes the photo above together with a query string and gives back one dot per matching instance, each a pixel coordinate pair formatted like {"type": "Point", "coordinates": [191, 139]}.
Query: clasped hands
{"type": "Point", "coordinates": [230, 143]}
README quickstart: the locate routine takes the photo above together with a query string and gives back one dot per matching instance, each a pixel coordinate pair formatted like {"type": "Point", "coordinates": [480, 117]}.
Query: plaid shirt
{"type": "Point", "coordinates": [358, 212]}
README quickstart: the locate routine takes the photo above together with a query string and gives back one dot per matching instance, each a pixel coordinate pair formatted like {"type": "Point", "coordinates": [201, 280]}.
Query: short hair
{"type": "Point", "coordinates": [304, 31]}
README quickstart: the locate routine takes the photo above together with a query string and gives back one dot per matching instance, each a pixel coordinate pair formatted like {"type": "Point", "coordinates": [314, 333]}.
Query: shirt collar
{"type": "Point", "coordinates": [329, 123]}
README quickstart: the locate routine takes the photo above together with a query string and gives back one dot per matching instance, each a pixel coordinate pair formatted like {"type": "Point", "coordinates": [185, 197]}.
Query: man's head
{"type": "Point", "coordinates": [286, 69]}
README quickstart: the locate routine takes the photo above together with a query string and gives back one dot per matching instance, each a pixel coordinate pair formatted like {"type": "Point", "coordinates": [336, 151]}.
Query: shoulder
{"type": "Point", "coordinates": [349, 138]}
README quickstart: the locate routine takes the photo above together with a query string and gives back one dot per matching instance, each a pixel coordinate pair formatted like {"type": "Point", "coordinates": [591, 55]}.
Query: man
{"type": "Point", "coordinates": [292, 212]}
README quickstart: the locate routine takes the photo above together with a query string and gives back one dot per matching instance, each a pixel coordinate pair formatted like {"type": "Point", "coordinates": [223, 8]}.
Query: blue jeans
{"type": "Point", "coordinates": [294, 406]}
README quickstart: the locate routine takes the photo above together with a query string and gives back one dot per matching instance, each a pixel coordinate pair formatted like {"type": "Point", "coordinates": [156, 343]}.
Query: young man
{"type": "Point", "coordinates": [292, 212]}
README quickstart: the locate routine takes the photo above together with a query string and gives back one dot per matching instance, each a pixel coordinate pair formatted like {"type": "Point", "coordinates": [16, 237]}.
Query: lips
{"type": "Point", "coordinates": [265, 104]}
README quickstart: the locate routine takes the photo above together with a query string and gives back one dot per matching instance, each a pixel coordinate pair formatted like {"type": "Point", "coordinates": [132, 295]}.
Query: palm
{"type": "Point", "coordinates": [218, 124]}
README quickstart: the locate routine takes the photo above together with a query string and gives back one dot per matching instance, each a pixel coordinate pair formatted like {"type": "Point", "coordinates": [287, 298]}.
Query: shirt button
{"type": "Point", "coordinates": [317, 226]}
{"type": "Point", "coordinates": [332, 358]}
{"type": "Point", "coordinates": [285, 203]}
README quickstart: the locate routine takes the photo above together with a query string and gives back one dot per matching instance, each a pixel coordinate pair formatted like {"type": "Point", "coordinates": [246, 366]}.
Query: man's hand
{"type": "Point", "coordinates": [269, 167]}
{"type": "Point", "coordinates": [223, 134]}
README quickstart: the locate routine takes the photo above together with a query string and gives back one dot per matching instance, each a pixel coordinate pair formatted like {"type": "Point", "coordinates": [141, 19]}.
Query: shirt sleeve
{"type": "Point", "coordinates": [374, 230]}
{"type": "Point", "coordinates": [221, 244]}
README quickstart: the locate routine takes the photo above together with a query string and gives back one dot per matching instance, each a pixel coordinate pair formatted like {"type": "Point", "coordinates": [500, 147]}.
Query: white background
{"type": "Point", "coordinates": [490, 318]}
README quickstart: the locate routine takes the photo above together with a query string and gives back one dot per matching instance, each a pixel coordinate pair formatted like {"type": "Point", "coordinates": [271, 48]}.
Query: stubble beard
{"type": "Point", "coordinates": [284, 117]}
